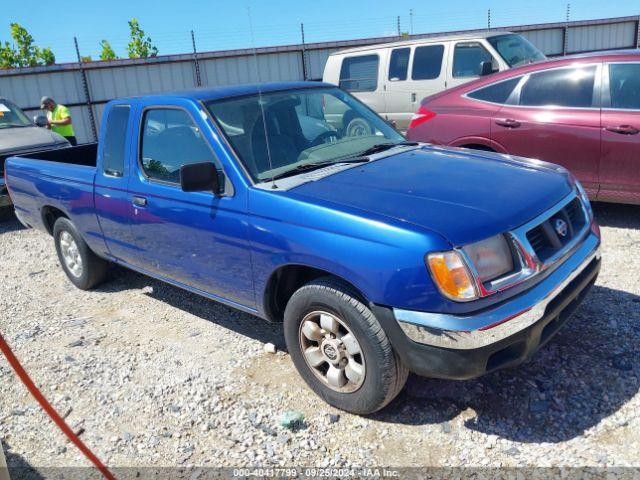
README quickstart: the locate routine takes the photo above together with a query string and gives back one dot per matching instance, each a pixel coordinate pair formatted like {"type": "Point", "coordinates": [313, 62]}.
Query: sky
{"type": "Point", "coordinates": [226, 25]}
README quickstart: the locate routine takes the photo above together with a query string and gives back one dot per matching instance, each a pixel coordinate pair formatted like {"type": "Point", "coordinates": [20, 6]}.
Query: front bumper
{"type": "Point", "coordinates": [461, 347]}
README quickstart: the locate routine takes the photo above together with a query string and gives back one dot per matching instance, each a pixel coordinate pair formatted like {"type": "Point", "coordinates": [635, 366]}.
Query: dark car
{"type": "Point", "coordinates": [18, 135]}
{"type": "Point", "coordinates": [582, 112]}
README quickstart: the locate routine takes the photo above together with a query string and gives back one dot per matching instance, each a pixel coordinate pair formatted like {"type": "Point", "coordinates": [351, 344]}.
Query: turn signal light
{"type": "Point", "coordinates": [452, 276]}
{"type": "Point", "coordinates": [421, 116]}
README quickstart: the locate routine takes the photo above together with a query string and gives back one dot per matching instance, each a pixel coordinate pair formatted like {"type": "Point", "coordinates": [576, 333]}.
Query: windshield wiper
{"type": "Point", "coordinates": [381, 147]}
{"type": "Point", "coordinates": [306, 167]}
{"type": "Point", "coordinates": [13, 125]}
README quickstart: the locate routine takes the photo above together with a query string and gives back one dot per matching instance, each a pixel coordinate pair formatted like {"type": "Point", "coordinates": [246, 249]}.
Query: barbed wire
{"type": "Point", "coordinates": [423, 19]}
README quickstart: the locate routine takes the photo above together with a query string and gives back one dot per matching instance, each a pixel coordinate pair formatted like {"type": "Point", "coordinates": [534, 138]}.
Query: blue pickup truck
{"type": "Point", "coordinates": [381, 256]}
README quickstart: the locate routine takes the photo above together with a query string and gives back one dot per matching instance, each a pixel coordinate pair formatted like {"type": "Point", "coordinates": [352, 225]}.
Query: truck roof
{"type": "Point", "coordinates": [216, 93]}
{"type": "Point", "coordinates": [425, 39]}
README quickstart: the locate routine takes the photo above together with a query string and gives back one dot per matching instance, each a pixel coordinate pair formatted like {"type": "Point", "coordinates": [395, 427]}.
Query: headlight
{"type": "Point", "coordinates": [491, 258]}
{"type": "Point", "coordinates": [584, 197]}
{"type": "Point", "coordinates": [452, 276]}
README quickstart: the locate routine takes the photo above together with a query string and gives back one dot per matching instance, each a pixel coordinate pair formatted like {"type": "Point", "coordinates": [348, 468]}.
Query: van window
{"type": "Point", "coordinates": [468, 58]}
{"type": "Point", "coordinates": [427, 62]}
{"type": "Point", "coordinates": [564, 87]}
{"type": "Point", "coordinates": [114, 141]}
{"type": "Point", "coordinates": [496, 92]}
{"type": "Point", "coordinates": [399, 64]}
{"type": "Point", "coordinates": [359, 74]}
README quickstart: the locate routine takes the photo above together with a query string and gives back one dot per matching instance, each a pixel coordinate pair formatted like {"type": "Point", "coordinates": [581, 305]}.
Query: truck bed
{"type": "Point", "coordinates": [59, 179]}
{"type": "Point", "coordinates": [85, 155]}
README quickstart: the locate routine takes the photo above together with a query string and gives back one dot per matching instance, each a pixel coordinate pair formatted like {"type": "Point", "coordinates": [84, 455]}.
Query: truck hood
{"type": "Point", "coordinates": [16, 140]}
{"type": "Point", "coordinates": [464, 196]}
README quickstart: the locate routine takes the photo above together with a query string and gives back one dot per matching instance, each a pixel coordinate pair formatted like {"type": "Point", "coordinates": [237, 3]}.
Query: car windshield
{"type": "Point", "coordinates": [515, 49]}
{"type": "Point", "coordinates": [302, 129]}
{"type": "Point", "coordinates": [11, 116]}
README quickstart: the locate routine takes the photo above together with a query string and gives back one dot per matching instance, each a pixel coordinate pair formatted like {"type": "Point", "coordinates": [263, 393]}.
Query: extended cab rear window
{"type": "Point", "coordinates": [114, 141]}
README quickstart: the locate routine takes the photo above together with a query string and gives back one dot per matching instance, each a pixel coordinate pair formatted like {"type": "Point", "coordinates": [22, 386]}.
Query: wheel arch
{"type": "Point", "coordinates": [286, 279]}
{"type": "Point", "coordinates": [49, 215]}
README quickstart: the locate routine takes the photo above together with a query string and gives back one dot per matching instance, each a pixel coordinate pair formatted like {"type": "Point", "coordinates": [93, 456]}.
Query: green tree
{"type": "Point", "coordinates": [23, 52]}
{"type": "Point", "coordinates": [107, 52]}
{"type": "Point", "coordinates": [139, 46]}
{"type": "Point", "coordinates": [86, 59]}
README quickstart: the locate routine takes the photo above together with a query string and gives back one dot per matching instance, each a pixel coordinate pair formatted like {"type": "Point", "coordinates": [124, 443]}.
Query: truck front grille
{"type": "Point", "coordinates": [555, 233]}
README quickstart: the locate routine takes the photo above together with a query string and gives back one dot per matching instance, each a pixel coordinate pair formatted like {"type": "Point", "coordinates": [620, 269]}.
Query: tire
{"type": "Point", "coordinates": [358, 127]}
{"type": "Point", "coordinates": [73, 252]}
{"type": "Point", "coordinates": [383, 374]}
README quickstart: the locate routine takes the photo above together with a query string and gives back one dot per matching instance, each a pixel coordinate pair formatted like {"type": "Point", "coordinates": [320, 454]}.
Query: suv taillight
{"type": "Point", "coordinates": [421, 116]}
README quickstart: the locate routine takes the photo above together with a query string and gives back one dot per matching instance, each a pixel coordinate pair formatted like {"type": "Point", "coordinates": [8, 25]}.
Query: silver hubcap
{"type": "Point", "coordinates": [71, 254]}
{"type": "Point", "coordinates": [332, 351]}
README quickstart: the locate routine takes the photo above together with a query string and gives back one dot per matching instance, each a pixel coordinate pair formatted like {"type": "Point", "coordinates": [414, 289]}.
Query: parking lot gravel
{"type": "Point", "coordinates": [156, 376]}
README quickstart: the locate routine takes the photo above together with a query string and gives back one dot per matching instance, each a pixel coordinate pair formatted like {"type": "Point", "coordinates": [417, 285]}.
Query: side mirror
{"type": "Point", "coordinates": [200, 177]}
{"type": "Point", "coordinates": [487, 68]}
{"type": "Point", "coordinates": [40, 120]}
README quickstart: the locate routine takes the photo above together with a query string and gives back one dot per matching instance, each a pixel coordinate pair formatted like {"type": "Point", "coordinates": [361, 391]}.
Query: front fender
{"type": "Point", "coordinates": [383, 260]}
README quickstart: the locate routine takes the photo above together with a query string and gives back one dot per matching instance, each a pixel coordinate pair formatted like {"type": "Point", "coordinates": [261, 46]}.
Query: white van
{"type": "Point", "coordinates": [393, 78]}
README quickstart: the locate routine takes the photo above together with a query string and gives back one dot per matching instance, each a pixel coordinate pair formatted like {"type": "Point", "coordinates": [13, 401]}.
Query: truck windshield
{"type": "Point", "coordinates": [515, 49]}
{"type": "Point", "coordinates": [306, 127]}
{"type": "Point", "coordinates": [11, 116]}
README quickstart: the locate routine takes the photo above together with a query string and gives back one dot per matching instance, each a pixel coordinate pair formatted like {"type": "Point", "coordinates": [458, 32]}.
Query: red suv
{"type": "Point", "coordinates": [582, 112]}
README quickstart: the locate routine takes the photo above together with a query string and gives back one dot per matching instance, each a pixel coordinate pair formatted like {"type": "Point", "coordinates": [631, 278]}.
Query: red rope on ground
{"type": "Point", "coordinates": [15, 364]}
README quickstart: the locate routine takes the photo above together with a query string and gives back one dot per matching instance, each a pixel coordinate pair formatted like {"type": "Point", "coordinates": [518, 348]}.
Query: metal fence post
{"type": "Point", "coordinates": [196, 63]}
{"type": "Point", "coordinates": [398, 24]}
{"type": "Point", "coordinates": [85, 85]}
{"type": "Point", "coordinates": [304, 54]}
{"type": "Point", "coordinates": [565, 31]}
{"type": "Point", "coordinates": [489, 19]}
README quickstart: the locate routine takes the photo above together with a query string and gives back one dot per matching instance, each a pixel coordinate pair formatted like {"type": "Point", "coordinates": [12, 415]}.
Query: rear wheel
{"type": "Point", "coordinates": [340, 348]}
{"type": "Point", "coordinates": [83, 267]}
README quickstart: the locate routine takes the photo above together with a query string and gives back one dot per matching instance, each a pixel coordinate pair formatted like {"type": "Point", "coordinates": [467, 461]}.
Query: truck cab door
{"type": "Point", "coordinates": [111, 195]}
{"type": "Point", "coordinates": [196, 239]}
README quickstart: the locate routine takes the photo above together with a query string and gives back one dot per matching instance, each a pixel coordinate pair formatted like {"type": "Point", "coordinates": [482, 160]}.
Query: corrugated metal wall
{"type": "Point", "coordinates": [108, 80]}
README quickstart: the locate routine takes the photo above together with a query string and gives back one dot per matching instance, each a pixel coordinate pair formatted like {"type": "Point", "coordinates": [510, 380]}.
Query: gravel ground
{"type": "Point", "coordinates": [155, 376]}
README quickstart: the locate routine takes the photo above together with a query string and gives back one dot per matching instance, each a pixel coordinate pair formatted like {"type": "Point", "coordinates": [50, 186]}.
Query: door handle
{"type": "Point", "coordinates": [139, 201]}
{"type": "Point", "coordinates": [624, 130]}
{"type": "Point", "coordinates": [508, 123]}
{"type": "Point", "coordinates": [413, 98]}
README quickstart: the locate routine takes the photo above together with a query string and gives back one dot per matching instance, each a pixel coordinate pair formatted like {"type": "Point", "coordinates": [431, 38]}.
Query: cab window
{"type": "Point", "coordinates": [468, 59]}
{"type": "Point", "coordinates": [170, 139]}
{"type": "Point", "coordinates": [359, 74]}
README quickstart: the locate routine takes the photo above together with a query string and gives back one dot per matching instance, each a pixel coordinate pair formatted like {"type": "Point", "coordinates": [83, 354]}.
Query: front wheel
{"type": "Point", "coordinates": [83, 267]}
{"type": "Point", "coordinates": [340, 349]}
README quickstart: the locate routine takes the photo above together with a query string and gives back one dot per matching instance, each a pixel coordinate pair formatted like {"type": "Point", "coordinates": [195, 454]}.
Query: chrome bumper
{"type": "Point", "coordinates": [490, 326]}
